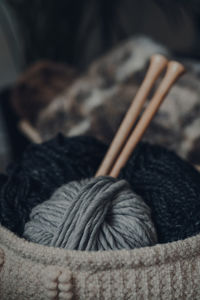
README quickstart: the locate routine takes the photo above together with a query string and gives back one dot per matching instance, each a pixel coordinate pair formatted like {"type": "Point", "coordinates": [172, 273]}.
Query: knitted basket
{"type": "Point", "coordinates": [32, 271]}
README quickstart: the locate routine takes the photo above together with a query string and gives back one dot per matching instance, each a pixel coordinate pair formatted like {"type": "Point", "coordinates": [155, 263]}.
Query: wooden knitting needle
{"type": "Point", "coordinates": [29, 131]}
{"type": "Point", "coordinates": [197, 167]}
{"type": "Point", "coordinates": [174, 71]}
{"type": "Point", "coordinates": [157, 65]}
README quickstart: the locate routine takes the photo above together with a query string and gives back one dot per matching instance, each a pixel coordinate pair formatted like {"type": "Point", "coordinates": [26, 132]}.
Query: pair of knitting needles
{"type": "Point", "coordinates": [121, 148]}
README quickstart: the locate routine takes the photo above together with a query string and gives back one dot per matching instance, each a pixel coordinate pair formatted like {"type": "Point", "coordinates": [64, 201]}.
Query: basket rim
{"type": "Point", "coordinates": [103, 260]}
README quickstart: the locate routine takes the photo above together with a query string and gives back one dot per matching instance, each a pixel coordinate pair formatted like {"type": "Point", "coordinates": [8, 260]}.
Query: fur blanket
{"type": "Point", "coordinates": [95, 103]}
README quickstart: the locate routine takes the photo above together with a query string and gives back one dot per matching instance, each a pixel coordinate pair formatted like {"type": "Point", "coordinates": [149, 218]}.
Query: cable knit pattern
{"type": "Point", "coordinates": [65, 285]}
{"type": "Point", "coordinates": [50, 282]}
{"type": "Point", "coordinates": [31, 271]}
{"type": "Point", "coordinates": [57, 283]}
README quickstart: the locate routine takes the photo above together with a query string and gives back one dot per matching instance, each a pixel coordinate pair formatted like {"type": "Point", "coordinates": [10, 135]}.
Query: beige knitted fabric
{"type": "Point", "coordinates": [31, 271]}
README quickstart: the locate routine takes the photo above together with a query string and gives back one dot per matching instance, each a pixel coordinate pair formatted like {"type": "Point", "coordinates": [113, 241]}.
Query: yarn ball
{"type": "Point", "coordinates": [170, 186]}
{"type": "Point", "coordinates": [40, 171]}
{"type": "Point", "coordinates": [92, 214]}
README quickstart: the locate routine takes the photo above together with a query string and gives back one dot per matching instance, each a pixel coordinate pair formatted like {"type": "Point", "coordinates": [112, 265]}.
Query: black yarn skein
{"type": "Point", "coordinates": [41, 170]}
{"type": "Point", "coordinates": [170, 186]}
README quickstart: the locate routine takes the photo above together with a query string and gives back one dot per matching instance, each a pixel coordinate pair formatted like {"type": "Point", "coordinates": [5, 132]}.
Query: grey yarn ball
{"type": "Point", "coordinates": [93, 214]}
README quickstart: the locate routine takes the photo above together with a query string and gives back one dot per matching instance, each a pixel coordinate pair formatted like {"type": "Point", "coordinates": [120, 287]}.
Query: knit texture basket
{"type": "Point", "coordinates": [31, 271]}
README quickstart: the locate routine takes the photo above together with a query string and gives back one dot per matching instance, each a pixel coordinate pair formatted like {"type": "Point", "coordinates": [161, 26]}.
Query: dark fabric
{"type": "Point", "coordinates": [169, 185]}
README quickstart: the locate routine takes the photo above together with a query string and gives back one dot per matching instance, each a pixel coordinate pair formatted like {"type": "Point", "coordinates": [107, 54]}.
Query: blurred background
{"type": "Point", "coordinates": [76, 32]}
